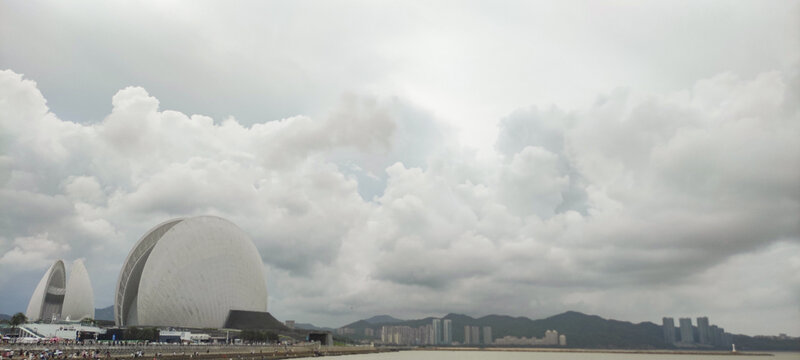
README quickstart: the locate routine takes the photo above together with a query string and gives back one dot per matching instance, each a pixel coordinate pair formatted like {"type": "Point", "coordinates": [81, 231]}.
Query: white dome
{"type": "Point", "coordinates": [190, 273]}
{"type": "Point", "coordinates": [79, 297]}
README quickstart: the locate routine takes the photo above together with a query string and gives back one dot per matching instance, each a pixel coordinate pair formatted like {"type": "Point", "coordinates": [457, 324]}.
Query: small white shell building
{"type": "Point", "coordinates": [55, 299]}
{"type": "Point", "coordinates": [79, 297]}
{"type": "Point", "coordinates": [190, 272]}
{"type": "Point", "coordinates": [48, 297]}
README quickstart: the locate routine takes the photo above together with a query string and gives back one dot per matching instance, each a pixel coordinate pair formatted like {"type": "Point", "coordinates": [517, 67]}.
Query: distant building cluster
{"type": "Point", "coordinates": [406, 335]}
{"type": "Point", "coordinates": [345, 331]}
{"type": "Point", "coordinates": [551, 338]}
{"type": "Point", "coordinates": [368, 332]}
{"type": "Point", "coordinates": [471, 335]}
{"type": "Point", "coordinates": [686, 335]}
{"type": "Point", "coordinates": [438, 332]}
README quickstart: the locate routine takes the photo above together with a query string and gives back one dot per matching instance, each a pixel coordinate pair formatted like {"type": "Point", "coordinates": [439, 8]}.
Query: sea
{"type": "Point", "coordinates": [481, 355]}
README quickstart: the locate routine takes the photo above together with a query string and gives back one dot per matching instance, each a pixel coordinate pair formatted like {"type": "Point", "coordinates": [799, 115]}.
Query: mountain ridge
{"type": "Point", "coordinates": [383, 319]}
{"type": "Point", "coordinates": [106, 313]}
{"type": "Point", "coordinates": [581, 330]}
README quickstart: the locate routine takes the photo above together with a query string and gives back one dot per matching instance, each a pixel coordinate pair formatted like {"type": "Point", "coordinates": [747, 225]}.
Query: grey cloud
{"type": "Point", "coordinates": [651, 199]}
{"type": "Point", "coordinates": [452, 225]}
{"type": "Point", "coordinates": [532, 127]}
{"type": "Point", "coordinates": [416, 135]}
{"type": "Point", "coordinates": [546, 130]}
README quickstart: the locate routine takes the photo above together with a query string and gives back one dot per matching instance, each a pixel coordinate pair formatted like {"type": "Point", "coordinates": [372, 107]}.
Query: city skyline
{"type": "Point", "coordinates": [520, 158]}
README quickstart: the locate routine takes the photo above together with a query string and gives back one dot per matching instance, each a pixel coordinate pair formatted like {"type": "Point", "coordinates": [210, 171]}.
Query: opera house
{"type": "Point", "coordinates": [196, 272]}
{"type": "Point", "coordinates": [56, 299]}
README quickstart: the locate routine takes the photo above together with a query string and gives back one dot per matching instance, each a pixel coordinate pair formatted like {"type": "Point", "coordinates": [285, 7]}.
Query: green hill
{"type": "Point", "coordinates": [591, 331]}
{"type": "Point", "coordinates": [582, 331]}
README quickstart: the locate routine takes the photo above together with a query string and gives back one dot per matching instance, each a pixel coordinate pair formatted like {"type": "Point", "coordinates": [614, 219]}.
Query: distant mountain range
{"type": "Point", "coordinates": [582, 331]}
{"type": "Point", "coordinates": [5, 317]}
{"type": "Point", "coordinates": [383, 319]}
{"type": "Point", "coordinates": [106, 313]}
{"type": "Point", "coordinates": [307, 326]}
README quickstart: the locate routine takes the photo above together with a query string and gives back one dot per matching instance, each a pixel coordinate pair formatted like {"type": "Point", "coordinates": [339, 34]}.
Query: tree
{"type": "Point", "coordinates": [18, 319]}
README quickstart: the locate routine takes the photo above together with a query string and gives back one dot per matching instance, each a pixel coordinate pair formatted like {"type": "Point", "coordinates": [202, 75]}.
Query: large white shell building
{"type": "Point", "coordinates": [190, 272]}
{"type": "Point", "coordinates": [56, 299]}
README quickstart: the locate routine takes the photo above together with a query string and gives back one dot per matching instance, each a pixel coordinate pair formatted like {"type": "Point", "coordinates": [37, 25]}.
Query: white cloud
{"type": "Point", "coordinates": [33, 252]}
{"type": "Point", "coordinates": [584, 208]}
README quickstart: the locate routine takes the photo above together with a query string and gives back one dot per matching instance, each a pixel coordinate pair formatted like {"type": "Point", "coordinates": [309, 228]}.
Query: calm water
{"type": "Point", "coordinates": [479, 355]}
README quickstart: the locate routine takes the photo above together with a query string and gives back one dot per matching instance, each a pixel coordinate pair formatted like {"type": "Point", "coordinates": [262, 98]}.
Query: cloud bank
{"type": "Point", "coordinates": [639, 206]}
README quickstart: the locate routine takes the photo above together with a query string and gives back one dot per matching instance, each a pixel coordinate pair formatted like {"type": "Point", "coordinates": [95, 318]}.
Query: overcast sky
{"type": "Point", "coordinates": [627, 159]}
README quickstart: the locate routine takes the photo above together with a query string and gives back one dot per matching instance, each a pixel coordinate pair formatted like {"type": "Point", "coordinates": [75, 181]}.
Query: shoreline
{"type": "Point", "coordinates": [256, 352]}
{"type": "Point", "coordinates": [607, 351]}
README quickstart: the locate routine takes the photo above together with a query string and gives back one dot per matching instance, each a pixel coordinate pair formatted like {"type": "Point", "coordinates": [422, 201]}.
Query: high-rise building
{"type": "Point", "coordinates": [487, 335]}
{"type": "Point", "coordinates": [704, 336]}
{"type": "Point", "coordinates": [715, 333]}
{"type": "Point", "coordinates": [437, 331]}
{"type": "Point", "coordinates": [687, 332]}
{"type": "Point", "coordinates": [404, 335]}
{"type": "Point", "coordinates": [425, 334]}
{"type": "Point", "coordinates": [447, 330]}
{"type": "Point", "coordinates": [551, 337]}
{"type": "Point", "coordinates": [668, 325]}
{"type": "Point", "coordinates": [467, 334]}
{"type": "Point", "coordinates": [476, 335]}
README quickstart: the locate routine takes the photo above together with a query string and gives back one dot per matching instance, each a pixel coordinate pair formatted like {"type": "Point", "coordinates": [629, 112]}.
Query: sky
{"type": "Point", "coordinates": [632, 160]}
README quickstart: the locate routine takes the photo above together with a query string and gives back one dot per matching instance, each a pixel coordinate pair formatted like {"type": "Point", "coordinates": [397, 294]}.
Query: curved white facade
{"type": "Point", "coordinates": [48, 297]}
{"type": "Point", "coordinates": [55, 298]}
{"type": "Point", "coordinates": [190, 272]}
{"type": "Point", "coordinates": [79, 297]}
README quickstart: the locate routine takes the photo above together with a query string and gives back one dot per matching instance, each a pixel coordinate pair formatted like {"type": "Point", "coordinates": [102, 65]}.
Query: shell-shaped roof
{"type": "Point", "coordinates": [129, 276]}
{"type": "Point", "coordinates": [79, 297]}
{"type": "Point", "coordinates": [48, 297]}
{"type": "Point", "coordinates": [190, 272]}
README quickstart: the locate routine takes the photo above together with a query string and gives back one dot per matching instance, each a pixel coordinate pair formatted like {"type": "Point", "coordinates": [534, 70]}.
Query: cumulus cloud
{"type": "Point", "coordinates": [584, 208]}
{"type": "Point", "coordinates": [33, 252]}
